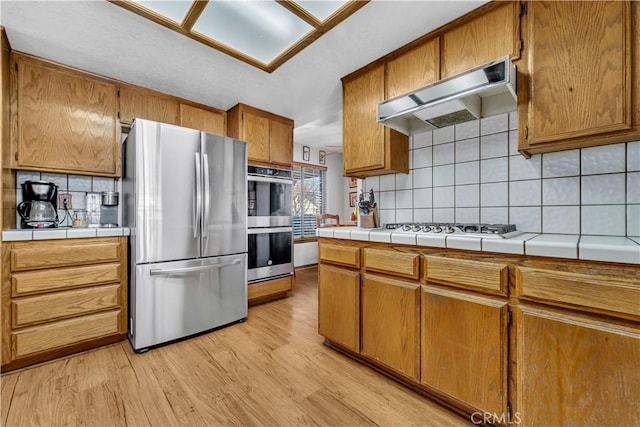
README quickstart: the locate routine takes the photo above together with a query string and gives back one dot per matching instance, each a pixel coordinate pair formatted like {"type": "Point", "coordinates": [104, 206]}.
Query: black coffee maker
{"type": "Point", "coordinates": [39, 208]}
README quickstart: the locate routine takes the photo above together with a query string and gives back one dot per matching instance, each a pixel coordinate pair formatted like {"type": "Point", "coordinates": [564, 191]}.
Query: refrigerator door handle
{"type": "Point", "coordinates": [198, 196]}
{"type": "Point", "coordinates": [186, 270]}
{"type": "Point", "coordinates": [207, 196]}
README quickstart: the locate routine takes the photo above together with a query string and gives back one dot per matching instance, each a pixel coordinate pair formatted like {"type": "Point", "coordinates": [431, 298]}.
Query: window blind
{"type": "Point", "coordinates": [309, 199]}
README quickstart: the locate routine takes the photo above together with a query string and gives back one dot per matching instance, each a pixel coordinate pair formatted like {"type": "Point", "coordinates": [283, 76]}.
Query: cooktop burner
{"type": "Point", "coordinates": [460, 229]}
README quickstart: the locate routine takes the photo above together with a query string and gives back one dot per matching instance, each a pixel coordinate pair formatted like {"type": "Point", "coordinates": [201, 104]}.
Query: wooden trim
{"type": "Point", "coordinates": [306, 267]}
{"type": "Point", "coordinates": [194, 12]}
{"type": "Point", "coordinates": [305, 239]}
{"type": "Point", "coordinates": [422, 39]}
{"type": "Point", "coordinates": [300, 12]}
{"type": "Point", "coordinates": [309, 165]}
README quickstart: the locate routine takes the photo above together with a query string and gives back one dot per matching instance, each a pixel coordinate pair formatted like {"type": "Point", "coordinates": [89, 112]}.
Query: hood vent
{"type": "Point", "coordinates": [480, 92]}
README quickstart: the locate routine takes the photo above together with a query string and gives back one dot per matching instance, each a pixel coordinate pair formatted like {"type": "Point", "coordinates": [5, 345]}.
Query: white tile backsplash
{"type": "Point", "coordinates": [603, 220]}
{"type": "Point", "coordinates": [604, 159]}
{"type": "Point", "coordinates": [443, 154]}
{"type": "Point", "coordinates": [561, 191]}
{"type": "Point", "coordinates": [79, 183]}
{"type": "Point", "coordinates": [561, 163]}
{"type": "Point", "coordinates": [467, 173]}
{"type": "Point", "coordinates": [22, 176]}
{"type": "Point", "coordinates": [457, 175]}
{"type": "Point", "coordinates": [372, 182]}
{"type": "Point", "coordinates": [103, 184]}
{"type": "Point", "coordinates": [494, 145]}
{"type": "Point", "coordinates": [495, 124]}
{"type": "Point", "coordinates": [603, 189]}
{"type": "Point", "coordinates": [513, 120]}
{"type": "Point", "coordinates": [58, 179]}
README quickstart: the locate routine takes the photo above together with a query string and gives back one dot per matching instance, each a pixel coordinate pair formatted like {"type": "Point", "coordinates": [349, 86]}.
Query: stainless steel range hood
{"type": "Point", "coordinates": [480, 92]}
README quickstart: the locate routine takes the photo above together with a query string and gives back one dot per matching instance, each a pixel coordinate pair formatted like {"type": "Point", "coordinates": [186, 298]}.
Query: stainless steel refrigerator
{"type": "Point", "coordinates": [185, 200]}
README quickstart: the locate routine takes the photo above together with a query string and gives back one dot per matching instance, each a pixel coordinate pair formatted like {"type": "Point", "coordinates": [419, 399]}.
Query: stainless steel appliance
{"type": "Point", "coordinates": [185, 200]}
{"type": "Point", "coordinates": [269, 209]}
{"type": "Point", "coordinates": [269, 197]}
{"type": "Point", "coordinates": [483, 91]}
{"type": "Point", "coordinates": [109, 209]}
{"type": "Point", "coordinates": [39, 206]}
{"type": "Point", "coordinates": [485, 231]}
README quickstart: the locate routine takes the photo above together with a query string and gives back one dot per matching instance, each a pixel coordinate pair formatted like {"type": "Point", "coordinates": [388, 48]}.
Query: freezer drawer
{"type": "Point", "coordinates": [176, 299]}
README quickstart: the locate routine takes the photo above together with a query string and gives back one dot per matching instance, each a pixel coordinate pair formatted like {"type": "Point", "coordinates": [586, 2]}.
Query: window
{"type": "Point", "coordinates": [309, 198]}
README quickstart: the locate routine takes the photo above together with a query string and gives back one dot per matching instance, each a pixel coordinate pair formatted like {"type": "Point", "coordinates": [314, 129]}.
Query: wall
{"type": "Point", "coordinates": [472, 172]}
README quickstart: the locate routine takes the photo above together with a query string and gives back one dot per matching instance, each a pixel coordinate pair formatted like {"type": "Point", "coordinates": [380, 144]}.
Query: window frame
{"type": "Point", "coordinates": [323, 194]}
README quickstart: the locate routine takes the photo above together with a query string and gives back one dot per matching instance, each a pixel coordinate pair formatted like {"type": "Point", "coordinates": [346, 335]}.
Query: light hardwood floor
{"type": "Point", "coordinates": [271, 370]}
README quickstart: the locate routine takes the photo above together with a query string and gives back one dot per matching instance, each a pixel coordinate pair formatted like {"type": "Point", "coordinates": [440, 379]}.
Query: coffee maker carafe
{"type": "Point", "coordinates": [39, 206]}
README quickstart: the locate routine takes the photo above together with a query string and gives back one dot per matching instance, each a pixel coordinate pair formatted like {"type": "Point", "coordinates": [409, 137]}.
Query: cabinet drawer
{"type": "Point", "coordinates": [339, 254]}
{"type": "Point", "coordinates": [594, 291]}
{"type": "Point", "coordinates": [271, 287]}
{"type": "Point", "coordinates": [63, 333]}
{"type": "Point", "coordinates": [27, 256]}
{"type": "Point", "coordinates": [405, 264]}
{"type": "Point", "coordinates": [37, 309]}
{"type": "Point", "coordinates": [467, 273]}
{"type": "Point", "coordinates": [31, 282]}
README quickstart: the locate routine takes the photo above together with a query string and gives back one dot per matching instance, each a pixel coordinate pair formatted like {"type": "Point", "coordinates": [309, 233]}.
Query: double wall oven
{"type": "Point", "coordinates": [270, 223]}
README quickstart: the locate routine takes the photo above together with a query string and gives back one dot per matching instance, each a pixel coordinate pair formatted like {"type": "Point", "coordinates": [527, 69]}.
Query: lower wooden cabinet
{"type": "Point", "coordinates": [269, 290]}
{"type": "Point", "coordinates": [391, 323]}
{"type": "Point", "coordinates": [575, 369]}
{"type": "Point", "coordinates": [464, 347]}
{"type": "Point", "coordinates": [61, 296]}
{"type": "Point", "coordinates": [339, 306]}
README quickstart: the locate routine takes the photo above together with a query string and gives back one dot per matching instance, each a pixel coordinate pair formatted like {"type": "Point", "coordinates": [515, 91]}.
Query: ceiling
{"type": "Point", "coordinates": [103, 38]}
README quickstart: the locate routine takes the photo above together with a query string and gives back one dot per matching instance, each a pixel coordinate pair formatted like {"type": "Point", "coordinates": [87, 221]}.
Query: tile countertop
{"type": "Point", "coordinates": [62, 233]}
{"type": "Point", "coordinates": [593, 248]}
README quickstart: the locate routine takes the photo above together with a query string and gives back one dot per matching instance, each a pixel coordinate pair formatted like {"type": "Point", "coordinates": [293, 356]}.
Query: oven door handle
{"type": "Point", "coordinates": [270, 230]}
{"type": "Point", "coordinates": [271, 180]}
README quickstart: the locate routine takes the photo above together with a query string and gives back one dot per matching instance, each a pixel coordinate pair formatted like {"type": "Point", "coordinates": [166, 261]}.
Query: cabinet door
{"type": "Point", "coordinates": [66, 122]}
{"type": "Point", "coordinates": [204, 120]}
{"type": "Point", "coordinates": [488, 37]}
{"type": "Point", "coordinates": [339, 306]}
{"type": "Point", "coordinates": [415, 69]}
{"type": "Point", "coordinates": [579, 69]}
{"type": "Point", "coordinates": [256, 134]}
{"type": "Point", "coordinates": [280, 142]}
{"type": "Point", "coordinates": [575, 370]}
{"type": "Point", "coordinates": [391, 323]}
{"type": "Point", "coordinates": [464, 347]}
{"type": "Point", "coordinates": [144, 105]}
{"type": "Point", "coordinates": [363, 138]}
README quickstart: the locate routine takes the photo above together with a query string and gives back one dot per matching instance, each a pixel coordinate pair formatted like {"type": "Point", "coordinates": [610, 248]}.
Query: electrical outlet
{"type": "Point", "coordinates": [64, 201]}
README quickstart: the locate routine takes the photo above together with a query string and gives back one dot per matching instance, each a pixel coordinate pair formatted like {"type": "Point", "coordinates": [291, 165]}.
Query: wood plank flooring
{"type": "Point", "coordinates": [272, 370]}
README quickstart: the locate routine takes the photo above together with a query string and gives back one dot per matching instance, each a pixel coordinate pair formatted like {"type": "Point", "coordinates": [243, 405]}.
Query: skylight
{"type": "Point", "coordinates": [263, 33]}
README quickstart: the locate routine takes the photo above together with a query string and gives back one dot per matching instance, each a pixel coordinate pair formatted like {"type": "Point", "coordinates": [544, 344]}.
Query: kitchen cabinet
{"type": "Point", "coordinates": [269, 290]}
{"type": "Point", "coordinates": [491, 35]}
{"type": "Point", "coordinates": [269, 137]}
{"type": "Point", "coordinates": [580, 84]}
{"type": "Point", "coordinates": [339, 306]}
{"type": "Point", "coordinates": [479, 275]}
{"type": "Point", "coordinates": [207, 120]}
{"type": "Point", "coordinates": [414, 69]}
{"type": "Point", "coordinates": [464, 347]}
{"type": "Point", "coordinates": [391, 323]}
{"type": "Point", "coordinates": [575, 369]}
{"type": "Point", "coordinates": [65, 121]}
{"type": "Point", "coordinates": [143, 103]}
{"type": "Point", "coordinates": [62, 296]}
{"type": "Point", "coordinates": [397, 263]}
{"type": "Point", "coordinates": [369, 148]}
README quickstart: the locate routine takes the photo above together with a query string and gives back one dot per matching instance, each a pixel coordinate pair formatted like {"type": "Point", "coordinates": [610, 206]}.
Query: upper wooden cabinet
{"type": "Point", "coordinates": [485, 38]}
{"type": "Point", "coordinates": [269, 137]}
{"type": "Point", "coordinates": [414, 69]}
{"type": "Point", "coordinates": [368, 147]}
{"type": "Point", "coordinates": [205, 120]}
{"type": "Point", "coordinates": [146, 104]}
{"type": "Point", "coordinates": [581, 82]}
{"type": "Point", "coordinates": [65, 120]}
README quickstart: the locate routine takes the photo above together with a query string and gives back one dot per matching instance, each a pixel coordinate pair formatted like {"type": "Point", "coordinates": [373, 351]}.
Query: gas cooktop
{"type": "Point", "coordinates": [496, 231]}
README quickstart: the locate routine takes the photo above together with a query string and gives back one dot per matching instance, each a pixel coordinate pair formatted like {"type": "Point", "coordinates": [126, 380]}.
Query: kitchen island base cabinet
{"type": "Point", "coordinates": [464, 347]}
{"type": "Point", "coordinates": [576, 369]}
{"type": "Point", "coordinates": [60, 297]}
{"type": "Point", "coordinates": [391, 323]}
{"type": "Point", "coordinates": [339, 306]}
